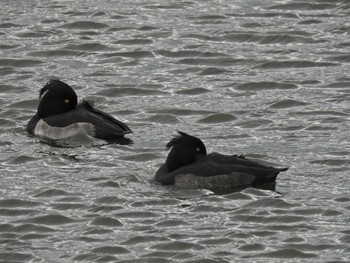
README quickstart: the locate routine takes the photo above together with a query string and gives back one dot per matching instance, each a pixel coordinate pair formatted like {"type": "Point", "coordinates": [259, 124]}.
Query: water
{"type": "Point", "coordinates": [269, 79]}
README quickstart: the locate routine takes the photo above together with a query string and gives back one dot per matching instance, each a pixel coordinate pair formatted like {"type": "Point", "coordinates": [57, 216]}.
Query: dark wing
{"type": "Point", "coordinates": [239, 160]}
{"type": "Point", "coordinates": [106, 126]}
{"type": "Point", "coordinates": [111, 127]}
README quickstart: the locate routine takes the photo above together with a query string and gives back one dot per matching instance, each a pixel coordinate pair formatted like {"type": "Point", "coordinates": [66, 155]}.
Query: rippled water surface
{"type": "Point", "coordinates": [270, 79]}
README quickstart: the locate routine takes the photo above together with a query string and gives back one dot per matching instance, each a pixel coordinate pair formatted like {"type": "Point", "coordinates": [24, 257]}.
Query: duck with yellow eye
{"type": "Point", "coordinates": [189, 165]}
{"type": "Point", "coordinates": [59, 116]}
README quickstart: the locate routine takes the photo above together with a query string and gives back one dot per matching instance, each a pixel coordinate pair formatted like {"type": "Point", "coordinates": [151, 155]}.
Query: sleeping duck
{"type": "Point", "coordinates": [59, 116]}
{"type": "Point", "coordinates": [189, 165]}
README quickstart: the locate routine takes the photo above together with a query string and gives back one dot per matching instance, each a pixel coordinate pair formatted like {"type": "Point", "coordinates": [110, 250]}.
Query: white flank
{"type": "Point", "coordinates": [56, 133]}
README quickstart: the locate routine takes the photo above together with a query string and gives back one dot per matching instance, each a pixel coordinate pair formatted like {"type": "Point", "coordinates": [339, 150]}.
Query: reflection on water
{"type": "Point", "coordinates": [269, 79]}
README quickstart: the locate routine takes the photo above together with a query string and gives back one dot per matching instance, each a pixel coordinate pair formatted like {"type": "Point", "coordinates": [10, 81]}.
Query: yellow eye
{"type": "Point", "coordinates": [66, 101]}
{"type": "Point", "coordinates": [198, 149]}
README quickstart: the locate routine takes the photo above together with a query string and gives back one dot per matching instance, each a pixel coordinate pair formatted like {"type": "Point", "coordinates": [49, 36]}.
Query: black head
{"type": "Point", "coordinates": [56, 97]}
{"type": "Point", "coordinates": [185, 150]}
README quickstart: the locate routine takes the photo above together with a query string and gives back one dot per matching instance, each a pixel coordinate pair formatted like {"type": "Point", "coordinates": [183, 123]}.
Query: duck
{"type": "Point", "coordinates": [189, 165]}
{"type": "Point", "coordinates": [60, 116]}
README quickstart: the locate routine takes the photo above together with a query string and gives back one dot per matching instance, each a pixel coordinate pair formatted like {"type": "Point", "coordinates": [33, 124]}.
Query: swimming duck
{"type": "Point", "coordinates": [189, 165]}
{"type": "Point", "coordinates": [59, 116]}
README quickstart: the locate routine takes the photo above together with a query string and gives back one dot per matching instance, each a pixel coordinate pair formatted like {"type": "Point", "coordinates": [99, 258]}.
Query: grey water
{"type": "Point", "coordinates": [269, 79]}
